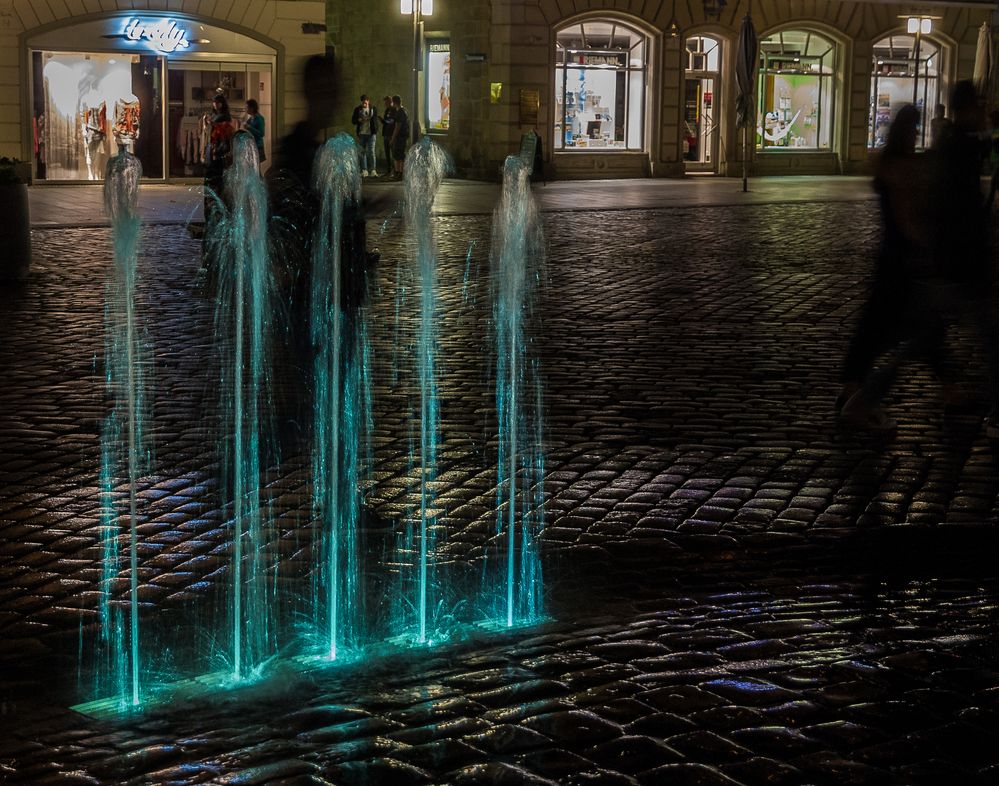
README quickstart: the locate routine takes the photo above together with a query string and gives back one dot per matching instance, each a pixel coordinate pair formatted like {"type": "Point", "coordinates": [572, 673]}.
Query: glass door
{"type": "Point", "coordinates": [700, 112]}
{"type": "Point", "coordinates": [193, 85]}
{"type": "Point", "coordinates": [700, 131]}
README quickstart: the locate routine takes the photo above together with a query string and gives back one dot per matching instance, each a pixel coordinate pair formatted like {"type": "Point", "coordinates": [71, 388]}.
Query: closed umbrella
{"type": "Point", "coordinates": [746, 61]}
{"type": "Point", "coordinates": [983, 61]}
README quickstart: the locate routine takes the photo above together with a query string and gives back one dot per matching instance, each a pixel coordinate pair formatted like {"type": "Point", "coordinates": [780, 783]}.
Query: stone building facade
{"type": "Point", "coordinates": [648, 87]}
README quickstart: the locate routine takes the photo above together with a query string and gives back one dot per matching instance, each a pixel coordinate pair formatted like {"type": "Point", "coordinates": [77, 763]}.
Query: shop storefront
{"type": "Point", "coordinates": [600, 77]}
{"type": "Point", "coordinates": [142, 83]}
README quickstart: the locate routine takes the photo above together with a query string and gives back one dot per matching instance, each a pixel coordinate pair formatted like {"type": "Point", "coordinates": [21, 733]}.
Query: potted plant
{"type": "Point", "coordinates": [15, 228]}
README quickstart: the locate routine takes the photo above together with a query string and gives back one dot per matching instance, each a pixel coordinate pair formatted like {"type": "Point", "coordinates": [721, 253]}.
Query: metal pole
{"type": "Point", "coordinates": [745, 157]}
{"type": "Point", "coordinates": [915, 78]}
{"type": "Point", "coordinates": [417, 12]}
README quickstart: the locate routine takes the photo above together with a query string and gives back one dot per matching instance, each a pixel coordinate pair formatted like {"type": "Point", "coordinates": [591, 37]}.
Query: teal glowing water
{"type": "Point", "coordinates": [245, 308]}
{"type": "Point", "coordinates": [415, 596]}
{"type": "Point", "coordinates": [123, 437]}
{"type": "Point", "coordinates": [341, 410]}
{"type": "Point", "coordinates": [425, 168]}
{"type": "Point", "coordinates": [517, 262]}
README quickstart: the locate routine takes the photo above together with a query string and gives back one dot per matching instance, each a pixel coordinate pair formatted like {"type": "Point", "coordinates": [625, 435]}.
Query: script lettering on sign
{"type": "Point", "coordinates": [163, 35]}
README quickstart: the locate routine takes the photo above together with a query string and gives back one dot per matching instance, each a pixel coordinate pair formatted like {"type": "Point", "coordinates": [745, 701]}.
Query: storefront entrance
{"type": "Point", "coordinates": [700, 107]}
{"type": "Point", "coordinates": [141, 84]}
{"type": "Point", "coordinates": [191, 87]}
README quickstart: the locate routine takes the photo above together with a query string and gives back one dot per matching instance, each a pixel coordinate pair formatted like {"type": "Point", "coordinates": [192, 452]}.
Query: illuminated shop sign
{"type": "Point", "coordinates": [161, 35]}
{"type": "Point", "coordinates": [616, 60]}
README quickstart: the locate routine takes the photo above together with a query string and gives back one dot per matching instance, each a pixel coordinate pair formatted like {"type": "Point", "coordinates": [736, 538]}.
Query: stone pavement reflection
{"type": "Point", "coordinates": [690, 357]}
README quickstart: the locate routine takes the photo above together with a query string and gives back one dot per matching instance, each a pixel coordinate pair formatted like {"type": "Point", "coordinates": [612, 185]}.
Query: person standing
{"type": "Point", "coordinates": [218, 158]}
{"type": "Point", "coordinates": [993, 158]}
{"type": "Point", "coordinates": [400, 136]}
{"type": "Point", "coordinates": [962, 247]}
{"type": "Point", "coordinates": [940, 127]}
{"type": "Point", "coordinates": [388, 126]}
{"type": "Point", "coordinates": [255, 125]}
{"type": "Point", "coordinates": [365, 122]}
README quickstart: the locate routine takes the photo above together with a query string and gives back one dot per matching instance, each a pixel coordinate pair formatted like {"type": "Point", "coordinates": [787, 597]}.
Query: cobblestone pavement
{"type": "Point", "coordinates": [690, 359]}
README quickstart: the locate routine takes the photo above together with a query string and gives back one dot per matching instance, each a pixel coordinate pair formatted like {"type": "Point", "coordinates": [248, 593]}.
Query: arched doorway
{"type": "Point", "coordinates": [601, 75]}
{"type": "Point", "coordinates": [700, 106]}
{"type": "Point", "coordinates": [898, 77]}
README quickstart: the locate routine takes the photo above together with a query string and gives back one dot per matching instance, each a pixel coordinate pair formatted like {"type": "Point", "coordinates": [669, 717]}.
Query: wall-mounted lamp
{"type": "Point", "coordinates": [714, 7]}
{"type": "Point", "coordinates": [918, 26]}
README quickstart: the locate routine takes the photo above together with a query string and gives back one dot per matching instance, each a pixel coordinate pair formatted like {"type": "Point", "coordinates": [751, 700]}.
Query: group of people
{"type": "Point", "coordinates": [218, 156]}
{"type": "Point", "coordinates": [934, 265]}
{"type": "Point", "coordinates": [393, 125]}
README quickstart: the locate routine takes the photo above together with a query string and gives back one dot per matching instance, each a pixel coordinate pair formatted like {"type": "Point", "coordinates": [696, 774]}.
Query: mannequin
{"type": "Point", "coordinates": [94, 121]}
{"type": "Point", "coordinates": [126, 121]}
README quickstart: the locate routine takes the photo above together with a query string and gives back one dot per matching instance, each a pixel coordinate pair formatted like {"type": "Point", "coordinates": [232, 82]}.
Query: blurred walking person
{"type": "Point", "coordinates": [894, 315]}
{"type": "Point", "coordinates": [962, 252]}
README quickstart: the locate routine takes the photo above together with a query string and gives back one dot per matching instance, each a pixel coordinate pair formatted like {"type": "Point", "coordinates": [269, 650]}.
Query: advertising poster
{"type": "Point", "coordinates": [438, 85]}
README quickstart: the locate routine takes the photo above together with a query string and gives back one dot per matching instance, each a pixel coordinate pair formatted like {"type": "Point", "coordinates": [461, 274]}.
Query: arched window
{"type": "Point", "coordinates": [896, 81]}
{"type": "Point", "coordinates": [797, 69]}
{"type": "Point", "coordinates": [600, 80]}
{"type": "Point", "coordinates": [700, 103]}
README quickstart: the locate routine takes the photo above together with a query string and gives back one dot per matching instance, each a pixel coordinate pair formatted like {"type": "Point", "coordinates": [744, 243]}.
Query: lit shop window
{"type": "Point", "coordinates": [87, 106]}
{"type": "Point", "coordinates": [600, 79]}
{"type": "Point", "coordinates": [797, 69]}
{"type": "Point", "coordinates": [897, 80]}
{"type": "Point", "coordinates": [437, 107]}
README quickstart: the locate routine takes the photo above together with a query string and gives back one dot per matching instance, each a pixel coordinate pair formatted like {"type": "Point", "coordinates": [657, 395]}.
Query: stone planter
{"type": "Point", "coordinates": [15, 232]}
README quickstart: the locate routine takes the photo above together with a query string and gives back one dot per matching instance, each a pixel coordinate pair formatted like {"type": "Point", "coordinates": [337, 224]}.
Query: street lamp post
{"type": "Point", "coordinates": [418, 9]}
{"type": "Point", "coordinates": [920, 26]}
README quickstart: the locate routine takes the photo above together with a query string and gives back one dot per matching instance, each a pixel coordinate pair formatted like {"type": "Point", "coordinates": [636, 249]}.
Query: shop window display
{"type": "Point", "coordinates": [893, 81]}
{"type": "Point", "coordinates": [600, 87]}
{"type": "Point", "coordinates": [797, 69]}
{"type": "Point", "coordinates": [88, 106]}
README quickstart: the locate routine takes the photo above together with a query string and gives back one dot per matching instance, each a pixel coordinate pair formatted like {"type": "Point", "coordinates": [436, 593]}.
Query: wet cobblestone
{"type": "Point", "coordinates": [690, 359]}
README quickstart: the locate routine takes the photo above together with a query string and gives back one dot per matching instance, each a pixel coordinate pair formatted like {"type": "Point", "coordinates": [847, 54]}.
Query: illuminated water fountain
{"type": "Point", "coordinates": [341, 408]}
{"type": "Point", "coordinates": [517, 265]}
{"type": "Point", "coordinates": [124, 457]}
{"type": "Point", "coordinates": [254, 628]}
{"type": "Point", "coordinates": [245, 309]}
{"type": "Point", "coordinates": [425, 168]}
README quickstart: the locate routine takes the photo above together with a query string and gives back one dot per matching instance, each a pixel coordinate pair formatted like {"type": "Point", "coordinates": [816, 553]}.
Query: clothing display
{"type": "Point", "coordinates": [126, 122]}
{"type": "Point", "coordinates": [94, 118]}
{"type": "Point", "coordinates": [189, 141]}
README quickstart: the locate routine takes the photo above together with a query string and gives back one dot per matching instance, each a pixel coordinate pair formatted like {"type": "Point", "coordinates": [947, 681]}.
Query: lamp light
{"type": "Point", "coordinates": [911, 24]}
{"type": "Point", "coordinates": [925, 25]}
